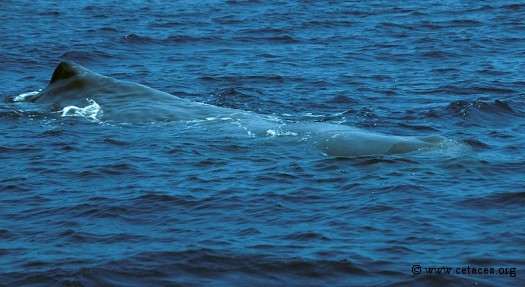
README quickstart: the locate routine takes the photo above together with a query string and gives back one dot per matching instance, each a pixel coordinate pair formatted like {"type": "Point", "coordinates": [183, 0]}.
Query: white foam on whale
{"type": "Point", "coordinates": [26, 96]}
{"type": "Point", "coordinates": [92, 111]}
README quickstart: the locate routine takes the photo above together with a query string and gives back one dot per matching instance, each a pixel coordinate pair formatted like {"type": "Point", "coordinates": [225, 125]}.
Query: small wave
{"type": "Point", "coordinates": [465, 109]}
{"type": "Point", "coordinates": [91, 111]}
{"type": "Point", "coordinates": [137, 39]}
{"type": "Point", "coordinates": [86, 56]}
{"type": "Point", "coordinates": [479, 112]}
{"type": "Point", "coordinates": [497, 200]}
{"type": "Point", "coordinates": [284, 39]}
{"type": "Point", "coordinates": [514, 7]}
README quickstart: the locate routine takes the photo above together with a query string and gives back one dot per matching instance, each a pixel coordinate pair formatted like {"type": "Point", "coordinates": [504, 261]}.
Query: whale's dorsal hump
{"type": "Point", "coordinates": [66, 70]}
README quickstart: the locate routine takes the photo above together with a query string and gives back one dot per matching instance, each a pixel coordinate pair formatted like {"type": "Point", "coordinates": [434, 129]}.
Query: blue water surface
{"type": "Point", "coordinates": [89, 203]}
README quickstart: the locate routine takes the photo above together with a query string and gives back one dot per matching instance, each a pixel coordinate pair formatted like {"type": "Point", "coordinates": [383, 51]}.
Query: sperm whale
{"type": "Point", "coordinates": [129, 102]}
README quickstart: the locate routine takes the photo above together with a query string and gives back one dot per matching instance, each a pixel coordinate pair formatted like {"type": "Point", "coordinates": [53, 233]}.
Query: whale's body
{"type": "Point", "coordinates": [128, 102]}
{"type": "Point", "coordinates": [122, 101]}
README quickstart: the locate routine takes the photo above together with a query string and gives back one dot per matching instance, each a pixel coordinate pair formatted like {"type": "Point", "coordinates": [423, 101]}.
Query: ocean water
{"type": "Point", "coordinates": [91, 203]}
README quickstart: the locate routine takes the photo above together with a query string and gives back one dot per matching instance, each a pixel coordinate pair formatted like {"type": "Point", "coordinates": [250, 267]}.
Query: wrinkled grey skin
{"type": "Point", "coordinates": [127, 102]}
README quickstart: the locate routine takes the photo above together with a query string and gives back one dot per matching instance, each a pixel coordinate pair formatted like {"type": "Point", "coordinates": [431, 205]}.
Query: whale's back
{"type": "Point", "coordinates": [121, 101]}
